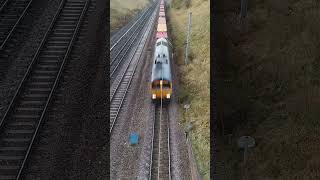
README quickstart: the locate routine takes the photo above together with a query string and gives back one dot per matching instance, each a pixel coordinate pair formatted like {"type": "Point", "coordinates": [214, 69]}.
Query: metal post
{"type": "Point", "coordinates": [160, 119]}
{"type": "Point", "coordinates": [244, 7]}
{"type": "Point", "coordinates": [159, 153]}
{"type": "Point", "coordinates": [188, 36]}
{"type": "Point", "coordinates": [229, 138]}
{"type": "Point", "coordinates": [245, 155]}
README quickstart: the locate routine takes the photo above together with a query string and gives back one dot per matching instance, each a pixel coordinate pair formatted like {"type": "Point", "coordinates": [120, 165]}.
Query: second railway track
{"type": "Point", "coordinates": [11, 13]}
{"type": "Point", "coordinates": [116, 35]}
{"type": "Point", "coordinates": [116, 39]}
{"type": "Point", "coordinates": [23, 118]}
{"type": "Point", "coordinates": [122, 47]}
{"type": "Point", "coordinates": [122, 82]}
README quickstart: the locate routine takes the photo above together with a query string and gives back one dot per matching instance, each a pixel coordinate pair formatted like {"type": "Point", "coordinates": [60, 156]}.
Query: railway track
{"type": "Point", "coordinates": [2, 4]}
{"type": "Point", "coordinates": [119, 51]}
{"type": "Point", "coordinates": [122, 82]}
{"type": "Point", "coordinates": [160, 161]}
{"type": "Point", "coordinates": [37, 167]}
{"type": "Point", "coordinates": [116, 35]}
{"type": "Point", "coordinates": [11, 12]}
{"type": "Point", "coordinates": [21, 122]}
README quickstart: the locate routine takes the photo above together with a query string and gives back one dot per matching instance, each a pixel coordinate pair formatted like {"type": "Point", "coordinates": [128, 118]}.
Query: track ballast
{"type": "Point", "coordinates": [23, 118]}
{"type": "Point", "coordinates": [11, 13]}
{"type": "Point", "coordinates": [121, 48]}
{"type": "Point", "coordinates": [122, 81]}
{"type": "Point", "coordinates": [160, 160]}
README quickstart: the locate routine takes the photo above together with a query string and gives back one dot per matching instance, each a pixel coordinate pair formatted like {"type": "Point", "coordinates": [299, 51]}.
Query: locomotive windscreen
{"type": "Point", "coordinates": [156, 84]}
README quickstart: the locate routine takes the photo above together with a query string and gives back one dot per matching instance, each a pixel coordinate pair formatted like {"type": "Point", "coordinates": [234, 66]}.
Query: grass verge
{"type": "Point", "coordinates": [269, 88]}
{"type": "Point", "coordinates": [194, 78]}
{"type": "Point", "coordinates": [122, 11]}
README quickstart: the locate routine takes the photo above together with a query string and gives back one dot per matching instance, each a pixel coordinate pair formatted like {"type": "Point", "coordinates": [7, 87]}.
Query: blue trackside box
{"type": "Point", "coordinates": [134, 138]}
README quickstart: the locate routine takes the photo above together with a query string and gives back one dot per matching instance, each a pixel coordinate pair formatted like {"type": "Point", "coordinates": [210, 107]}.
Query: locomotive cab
{"type": "Point", "coordinates": [161, 89]}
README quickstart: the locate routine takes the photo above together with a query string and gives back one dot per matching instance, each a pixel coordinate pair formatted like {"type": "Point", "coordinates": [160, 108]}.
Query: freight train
{"type": "Point", "coordinates": [161, 78]}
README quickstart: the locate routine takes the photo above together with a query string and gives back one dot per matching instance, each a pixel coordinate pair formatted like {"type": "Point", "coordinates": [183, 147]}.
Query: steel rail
{"type": "Point", "coordinates": [159, 145]}
{"type": "Point", "coordinates": [55, 83]}
{"type": "Point", "coordinates": [119, 61]}
{"type": "Point", "coordinates": [169, 149]}
{"type": "Point", "coordinates": [128, 39]}
{"type": "Point", "coordinates": [152, 143]}
{"type": "Point", "coordinates": [129, 83]}
{"type": "Point", "coordinates": [3, 5]}
{"type": "Point", "coordinates": [118, 34]}
{"type": "Point", "coordinates": [31, 65]}
{"type": "Point", "coordinates": [116, 43]}
{"type": "Point", "coordinates": [54, 80]}
{"type": "Point", "coordinates": [138, 25]}
{"type": "Point", "coordinates": [126, 68]}
{"type": "Point", "coordinates": [15, 25]}
{"type": "Point", "coordinates": [119, 107]}
{"type": "Point", "coordinates": [126, 90]}
{"type": "Point", "coordinates": [113, 71]}
{"type": "Point", "coordinates": [158, 109]}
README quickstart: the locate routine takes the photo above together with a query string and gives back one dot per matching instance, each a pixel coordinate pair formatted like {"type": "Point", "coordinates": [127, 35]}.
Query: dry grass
{"type": "Point", "coordinates": [195, 77]}
{"type": "Point", "coordinates": [278, 71]}
{"type": "Point", "coordinates": [122, 10]}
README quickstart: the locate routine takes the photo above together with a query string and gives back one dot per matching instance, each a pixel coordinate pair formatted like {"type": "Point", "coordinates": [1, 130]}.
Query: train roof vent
{"type": "Point", "coordinates": [158, 61]}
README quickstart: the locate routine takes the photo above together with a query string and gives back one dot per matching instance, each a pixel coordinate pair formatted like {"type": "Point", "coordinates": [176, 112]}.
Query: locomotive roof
{"type": "Point", "coordinates": [161, 71]}
{"type": "Point", "coordinates": [161, 62]}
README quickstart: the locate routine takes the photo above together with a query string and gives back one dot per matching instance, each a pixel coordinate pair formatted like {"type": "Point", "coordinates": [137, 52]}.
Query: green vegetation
{"type": "Point", "coordinates": [194, 78]}
{"type": "Point", "coordinates": [269, 88]}
{"type": "Point", "coordinates": [121, 11]}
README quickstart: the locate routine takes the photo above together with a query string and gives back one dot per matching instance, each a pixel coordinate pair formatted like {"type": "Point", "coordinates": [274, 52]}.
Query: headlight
{"type": "Point", "coordinates": [153, 96]}
{"type": "Point", "coordinates": [168, 96]}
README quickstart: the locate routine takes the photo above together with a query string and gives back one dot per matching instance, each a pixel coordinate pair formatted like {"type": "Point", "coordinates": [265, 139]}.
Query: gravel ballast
{"type": "Point", "coordinates": [35, 24]}
{"type": "Point", "coordinates": [71, 142]}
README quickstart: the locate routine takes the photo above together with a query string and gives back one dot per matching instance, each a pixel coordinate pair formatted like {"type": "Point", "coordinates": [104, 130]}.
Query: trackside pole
{"type": "Point", "coordinates": [161, 82]}
{"type": "Point", "coordinates": [244, 8]}
{"type": "Point", "coordinates": [188, 41]}
{"type": "Point", "coordinates": [160, 130]}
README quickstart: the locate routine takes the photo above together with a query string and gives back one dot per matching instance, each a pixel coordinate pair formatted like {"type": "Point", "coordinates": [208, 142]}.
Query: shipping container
{"type": "Point", "coordinates": [162, 28]}
{"type": "Point", "coordinates": [162, 20]}
{"type": "Point", "coordinates": [162, 14]}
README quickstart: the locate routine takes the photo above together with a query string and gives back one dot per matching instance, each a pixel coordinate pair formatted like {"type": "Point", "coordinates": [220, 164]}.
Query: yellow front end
{"type": "Point", "coordinates": [165, 93]}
